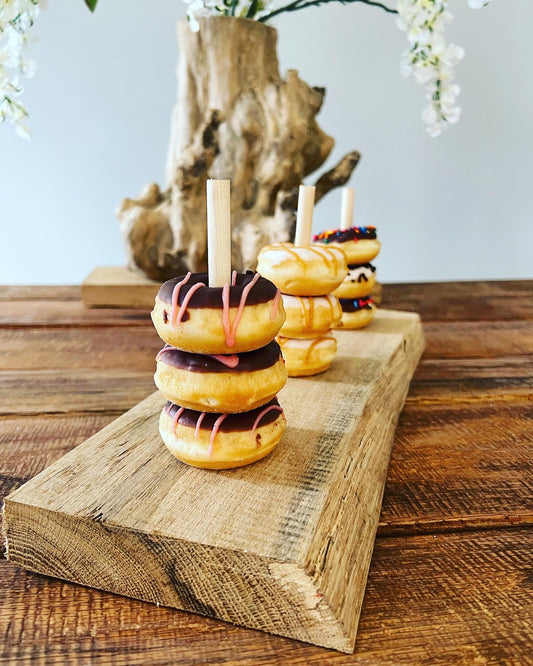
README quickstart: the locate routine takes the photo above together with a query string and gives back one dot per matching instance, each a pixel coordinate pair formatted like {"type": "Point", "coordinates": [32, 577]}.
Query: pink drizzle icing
{"type": "Point", "coordinates": [198, 424]}
{"type": "Point", "coordinates": [233, 278]}
{"type": "Point", "coordinates": [214, 432]}
{"type": "Point", "coordinates": [275, 305]}
{"type": "Point", "coordinates": [216, 426]}
{"type": "Point", "coordinates": [261, 414]}
{"type": "Point", "coordinates": [229, 360]}
{"type": "Point", "coordinates": [186, 300]}
{"type": "Point", "coordinates": [175, 295]}
{"type": "Point", "coordinates": [230, 329]}
{"type": "Point", "coordinates": [176, 418]}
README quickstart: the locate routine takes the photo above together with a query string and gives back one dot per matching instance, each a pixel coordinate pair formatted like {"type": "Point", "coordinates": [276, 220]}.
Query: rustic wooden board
{"type": "Point", "coordinates": [300, 524]}
{"type": "Point", "coordinates": [119, 287]}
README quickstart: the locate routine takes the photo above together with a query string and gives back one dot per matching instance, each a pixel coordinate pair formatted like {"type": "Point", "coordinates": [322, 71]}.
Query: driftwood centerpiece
{"type": "Point", "coordinates": [236, 119]}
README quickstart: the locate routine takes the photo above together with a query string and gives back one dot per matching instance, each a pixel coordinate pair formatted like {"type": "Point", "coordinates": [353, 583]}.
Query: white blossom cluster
{"type": "Point", "coordinates": [430, 59]}
{"type": "Point", "coordinates": [16, 20]}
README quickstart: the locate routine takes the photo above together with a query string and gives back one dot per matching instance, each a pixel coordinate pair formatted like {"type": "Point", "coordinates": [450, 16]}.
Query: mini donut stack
{"type": "Point", "coordinates": [306, 275]}
{"type": "Point", "coordinates": [220, 368]}
{"type": "Point", "coordinates": [360, 245]}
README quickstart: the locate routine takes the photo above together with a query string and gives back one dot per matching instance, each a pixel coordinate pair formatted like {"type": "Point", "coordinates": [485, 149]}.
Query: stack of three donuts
{"type": "Point", "coordinates": [306, 276]}
{"type": "Point", "coordinates": [360, 246]}
{"type": "Point", "coordinates": [220, 369]}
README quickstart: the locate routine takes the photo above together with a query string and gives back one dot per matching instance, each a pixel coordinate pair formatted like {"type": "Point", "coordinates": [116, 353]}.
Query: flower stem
{"type": "Point", "coordinates": [303, 4]}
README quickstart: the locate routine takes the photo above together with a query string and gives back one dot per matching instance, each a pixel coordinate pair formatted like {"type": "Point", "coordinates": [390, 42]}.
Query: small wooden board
{"type": "Point", "coordinates": [118, 287]}
{"type": "Point", "coordinates": [111, 287]}
{"type": "Point", "coordinates": [283, 545]}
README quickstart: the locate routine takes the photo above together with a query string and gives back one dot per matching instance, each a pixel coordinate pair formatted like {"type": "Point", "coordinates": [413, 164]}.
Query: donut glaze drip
{"type": "Point", "coordinates": [259, 359]}
{"type": "Point", "coordinates": [231, 423]}
{"type": "Point", "coordinates": [355, 304]}
{"type": "Point", "coordinates": [211, 297]}
{"type": "Point", "coordinates": [343, 235]}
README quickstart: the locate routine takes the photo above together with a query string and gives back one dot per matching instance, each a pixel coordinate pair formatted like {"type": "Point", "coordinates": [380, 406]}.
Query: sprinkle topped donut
{"type": "Point", "coordinates": [359, 243]}
{"type": "Point", "coordinates": [343, 235]}
{"type": "Point", "coordinates": [238, 317]}
{"type": "Point", "coordinates": [356, 312]}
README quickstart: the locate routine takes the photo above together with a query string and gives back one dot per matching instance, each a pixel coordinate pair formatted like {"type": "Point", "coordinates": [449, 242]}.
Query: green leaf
{"type": "Point", "coordinates": [91, 4]}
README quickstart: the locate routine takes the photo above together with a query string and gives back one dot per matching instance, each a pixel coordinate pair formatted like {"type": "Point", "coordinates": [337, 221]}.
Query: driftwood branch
{"type": "Point", "coordinates": [236, 119]}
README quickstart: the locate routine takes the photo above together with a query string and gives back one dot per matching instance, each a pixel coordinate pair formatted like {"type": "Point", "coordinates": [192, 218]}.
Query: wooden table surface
{"type": "Point", "coordinates": [451, 576]}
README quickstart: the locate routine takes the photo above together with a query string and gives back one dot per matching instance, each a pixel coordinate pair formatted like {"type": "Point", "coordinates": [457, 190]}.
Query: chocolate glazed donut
{"type": "Point", "coordinates": [221, 441]}
{"type": "Point", "coordinates": [239, 317]}
{"type": "Point", "coordinates": [221, 383]}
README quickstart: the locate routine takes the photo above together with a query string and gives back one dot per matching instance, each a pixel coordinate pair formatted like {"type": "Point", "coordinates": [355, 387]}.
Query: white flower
{"type": "Point", "coordinates": [430, 60]}
{"type": "Point", "coordinates": [16, 21]}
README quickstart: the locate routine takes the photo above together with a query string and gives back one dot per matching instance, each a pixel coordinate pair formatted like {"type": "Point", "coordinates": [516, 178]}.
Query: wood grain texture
{"type": "Point", "coordinates": [309, 562]}
{"type": "Point", "coordinates": [131, 348]}
{"type": "Point", "coordinates": [459, 466]}
{"type": "Point", "coordinates": [463, 301]}
{"type": "Point", "coordinates": [436, 599]}
{"type": "Point", "coordinates": [82, 390]}
{"type": "Point", "coordinates": [473, 606]}
{"type": "Point", "coordinates": [438, 381]}
{"type": "Point", "coordinates": [117, 286]}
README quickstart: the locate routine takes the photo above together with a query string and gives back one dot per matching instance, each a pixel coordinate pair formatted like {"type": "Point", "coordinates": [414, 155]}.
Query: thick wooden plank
{"type": "Point", "coordinates": [29, 444]}
{"type": "Point", "coordinates": [309, 561]}
{"type": "Point", "coordinates": [444, 599]}
{"type": "Point", "coordinates": [80, 390]}
{"type": "Point", "coordinates": [117, 286]}
{"type": "Point", "coordinates": [463, 301]}
{"type": "Point", "coordinates": [132, 348]}
{"type": "Point", "coordinates": [459, 466]}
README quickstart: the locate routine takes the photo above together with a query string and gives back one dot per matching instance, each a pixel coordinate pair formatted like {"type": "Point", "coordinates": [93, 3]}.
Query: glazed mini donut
{"type": "Point", "coordinates": [221, 441]}
{"type": "Point", "coordinates": [303, 271]}
{"type": "Point", "coordinates": [360, 244]}
{"type": "Point", "coordinates": [308, 356]}
{"type": "Point", "coordinates": [309, 316]}
{"type": "Point", "coordinates": [359, 282]}
{"type": "Point", "coordinates": [356, 312]}
{"type": "Point", "coordinates": [223, 383]}
{"type": "Point", "coordinates": [232, 319]}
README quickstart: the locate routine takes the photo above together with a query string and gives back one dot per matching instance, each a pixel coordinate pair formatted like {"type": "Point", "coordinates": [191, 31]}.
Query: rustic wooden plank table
{"type": "Point", "coordinates": [450, 580]}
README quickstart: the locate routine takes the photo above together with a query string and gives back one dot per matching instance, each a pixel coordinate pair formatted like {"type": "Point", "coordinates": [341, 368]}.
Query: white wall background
{"type": "Point", "coordinates": [456, 207]}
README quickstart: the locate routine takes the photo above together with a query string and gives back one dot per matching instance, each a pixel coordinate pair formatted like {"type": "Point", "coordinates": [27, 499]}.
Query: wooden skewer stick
{"type": "Point", "coordinates": [304, 216]}
{"type": "Point", "coordinates": [218, 232]}
{"type": "Point", "coordinates": [347, 208]}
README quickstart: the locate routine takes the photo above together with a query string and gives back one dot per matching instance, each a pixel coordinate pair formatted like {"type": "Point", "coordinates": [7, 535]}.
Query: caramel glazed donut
{"type": "Point", "coordinates": [309, 316]}
{"type": "Point", "coordinates": [221, 441]}
{"type": "Point", "coordinates": [360, 244]}
{"type": "Point", "coordinates": [236, 318]}
{"type": "Point", "coordinates": [221, 383]}
{"type": "Point", "coordinates": [356, 312]}
{"type": "Point", "coordinates": [308, 356]}
{"type": "Point", "coordinates": [359, 282]}
{"type": "Point", "coordinates": [303, 271]}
